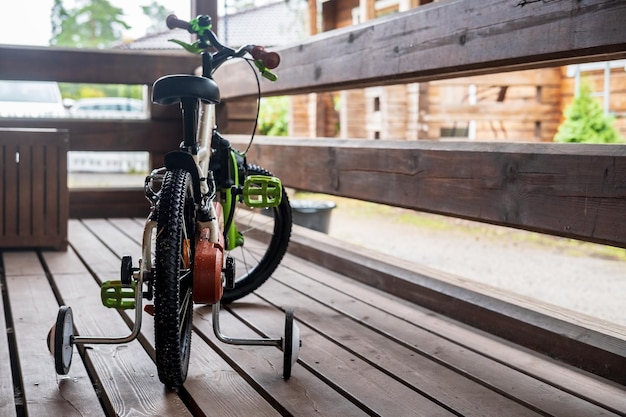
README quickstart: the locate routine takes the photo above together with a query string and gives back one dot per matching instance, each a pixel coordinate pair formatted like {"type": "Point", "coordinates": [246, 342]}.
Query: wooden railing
{"type": "Point", "coordinates": [573, 191]}
{"type": "Point", "coordinates": [156, 135]}
{"type": "Point", "coordinates": [454, 38]}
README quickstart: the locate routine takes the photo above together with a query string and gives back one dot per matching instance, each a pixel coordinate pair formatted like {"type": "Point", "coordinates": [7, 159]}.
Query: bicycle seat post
{"type": "Point", "coordinates": [190, 124]}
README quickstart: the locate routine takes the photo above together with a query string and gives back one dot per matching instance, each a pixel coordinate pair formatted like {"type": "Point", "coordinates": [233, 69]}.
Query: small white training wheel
{"type": "Point", "coordinates": [291, 344]}
{"type": "Point", "coordinates": [61, 340]}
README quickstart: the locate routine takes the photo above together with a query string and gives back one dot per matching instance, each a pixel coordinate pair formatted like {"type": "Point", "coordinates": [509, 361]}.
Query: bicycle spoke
{"type": "Point", "coordinates": [247, 217]}
{"type": "Point", "coordinates": [186, 249]}
{"type": "Point", "coordinates": [185, 277]}
{"type": "Point", "coordinates": [266, 235]}
{"type": "Point", "coordinates": [183, 311]}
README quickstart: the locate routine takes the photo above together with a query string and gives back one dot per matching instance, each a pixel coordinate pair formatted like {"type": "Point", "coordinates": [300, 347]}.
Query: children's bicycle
{"type": "Point", "coordinates": [204, 206]}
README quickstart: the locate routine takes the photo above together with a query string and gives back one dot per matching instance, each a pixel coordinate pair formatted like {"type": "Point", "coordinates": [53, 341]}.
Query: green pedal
{"type": "Point", "coordinates": [261, 191]}
{"type": "Point", "coordinates": [114, 294]}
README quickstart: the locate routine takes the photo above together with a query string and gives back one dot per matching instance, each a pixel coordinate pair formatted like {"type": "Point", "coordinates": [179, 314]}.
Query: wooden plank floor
{"type": "Point", "coordinates": [364, 352]}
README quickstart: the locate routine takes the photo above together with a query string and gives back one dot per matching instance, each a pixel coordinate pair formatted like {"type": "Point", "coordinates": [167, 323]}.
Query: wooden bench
{"type": "Point", "coordinates": [35, 203]}
{"type": "Point", "coordinates": [364, 352]}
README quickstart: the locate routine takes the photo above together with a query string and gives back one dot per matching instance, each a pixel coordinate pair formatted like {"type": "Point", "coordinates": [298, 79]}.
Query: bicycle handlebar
{"type": "Point", "coordinates": [270, 60]}
{"type": "Point", "coordinates": [174, 22]}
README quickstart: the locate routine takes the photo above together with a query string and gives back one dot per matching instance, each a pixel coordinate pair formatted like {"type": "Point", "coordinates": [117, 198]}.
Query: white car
{"type": "Point", "coordinates": [31, 99]}
{"type": "Point", "coordinates": [109, 108]}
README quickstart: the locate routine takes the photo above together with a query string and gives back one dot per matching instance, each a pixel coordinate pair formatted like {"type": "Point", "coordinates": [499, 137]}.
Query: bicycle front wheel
{"type": "Point", "coordinates": [173, 300]}
{"type": "Point", "coordinates": [266, 234]}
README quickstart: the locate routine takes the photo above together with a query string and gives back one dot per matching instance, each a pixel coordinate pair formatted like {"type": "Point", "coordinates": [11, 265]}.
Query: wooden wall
{"type": "Point", "coordinates": [353, 118]}
{"type": "Point", "coordinates": [516, 106]}
{"type": "Point", "coordinates": [313, 115]}
{"type": "Point", "coordinates": [521, 106]}
{"type": "Point", "coordinates": [337, 13]}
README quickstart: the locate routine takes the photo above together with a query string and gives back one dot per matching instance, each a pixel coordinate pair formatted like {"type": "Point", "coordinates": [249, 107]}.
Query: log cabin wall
{"type": "Point", "coordinates": [516, 106]}
{"type": "Point", "coordinates": [338, 14]}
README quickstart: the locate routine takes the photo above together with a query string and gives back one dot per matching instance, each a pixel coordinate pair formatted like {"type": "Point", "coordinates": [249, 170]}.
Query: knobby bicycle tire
{"type": "Point", "coordinates": [173, 299]}
{"type": "Point", "coordinates": [256, 261]}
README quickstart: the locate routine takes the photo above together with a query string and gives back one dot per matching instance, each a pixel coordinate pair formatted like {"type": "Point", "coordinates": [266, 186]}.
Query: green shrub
{"type": "Point", "coordinates": [585, 122]}
{"type": "Point", "coordinates": [274, 116]}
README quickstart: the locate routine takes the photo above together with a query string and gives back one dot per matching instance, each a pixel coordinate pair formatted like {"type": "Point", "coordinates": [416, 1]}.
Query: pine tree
{"type": "Point", "coordinates": [585, 122]}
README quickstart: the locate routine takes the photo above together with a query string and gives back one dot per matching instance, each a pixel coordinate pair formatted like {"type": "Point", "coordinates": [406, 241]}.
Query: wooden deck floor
{"type": "Point", "coordinates": [364, 352]}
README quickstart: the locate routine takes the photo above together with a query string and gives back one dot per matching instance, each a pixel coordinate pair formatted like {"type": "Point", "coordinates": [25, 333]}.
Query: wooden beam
{"type": "Point", "coordinates": [574, 191]}
{"type": "Point", "coordinates": [108, 203]}
{"type": "Point", "coordinates": [110, 135]}
{"type": "Point", "coordinates": [92, 65]}
{"type": "Point", "coordinates": [443, 40]}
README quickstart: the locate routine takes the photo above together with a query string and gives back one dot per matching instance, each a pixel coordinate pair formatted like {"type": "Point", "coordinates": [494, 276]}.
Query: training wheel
{"type": "Point", "coordinates": [291, 344]}
{"type": "Point", "coordinates": [126, 270]}
{"type": "Point", "coordinates": [61, 340]}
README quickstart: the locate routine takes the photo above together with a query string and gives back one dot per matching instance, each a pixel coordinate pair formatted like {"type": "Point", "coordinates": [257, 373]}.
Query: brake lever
{"type": "Point", "coordinates": [265, 72]}
{"type": "Point", "coordinates": [194, 48]}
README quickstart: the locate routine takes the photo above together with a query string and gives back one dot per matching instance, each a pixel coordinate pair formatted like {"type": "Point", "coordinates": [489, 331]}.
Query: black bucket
{"type": "Point", "coordinates": [312, 214]}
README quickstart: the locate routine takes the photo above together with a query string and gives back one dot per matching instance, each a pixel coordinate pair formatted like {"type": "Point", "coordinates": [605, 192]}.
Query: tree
{"type": "Point", "coordinates": [274, 115]}
{"type": "Point", "coordinates": [234, 6]}
{"type": "Point", "coordinates": [57, 17]}
{"type": "Point", "coordinates": [585, 122]}
{"type": "Point", "coordinates": [157, 14]}
{"type": "Point", "coordinates": [92, 24]}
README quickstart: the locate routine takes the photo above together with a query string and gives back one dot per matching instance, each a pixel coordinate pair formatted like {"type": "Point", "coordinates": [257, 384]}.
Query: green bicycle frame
{"type": "Point", "coordinates": [256, 192]}
{"type": "Point", "coordinates": [234, 238]}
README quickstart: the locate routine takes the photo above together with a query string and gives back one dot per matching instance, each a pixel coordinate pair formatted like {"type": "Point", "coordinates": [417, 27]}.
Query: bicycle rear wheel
{"type": "Point", "coordinates": [173, 300]}
{"type": "Point", "coordinates": [266, 237]}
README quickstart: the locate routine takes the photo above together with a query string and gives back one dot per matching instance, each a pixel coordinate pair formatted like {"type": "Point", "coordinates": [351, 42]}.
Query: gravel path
{"type": "Point", "coordinates": [576, 276]}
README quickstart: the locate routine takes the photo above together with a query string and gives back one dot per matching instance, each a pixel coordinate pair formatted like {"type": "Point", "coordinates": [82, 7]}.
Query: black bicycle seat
{"type": "Point", "coordinates": [171, 89]}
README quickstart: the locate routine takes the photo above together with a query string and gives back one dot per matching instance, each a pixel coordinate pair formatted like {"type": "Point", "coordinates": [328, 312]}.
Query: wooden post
{"type": "Point", "coordinates": [315, 106]}
{"type": "Point", "coordinates": [208, 7]}
{"type": "Point", "coordinates": [367, 10]}
{"type": "Point", "coordinates": [312, 17]}
{"type": "Point", "coordinates": [422, 109]}
{"type": "Point", "coordinates": [416, 93]}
